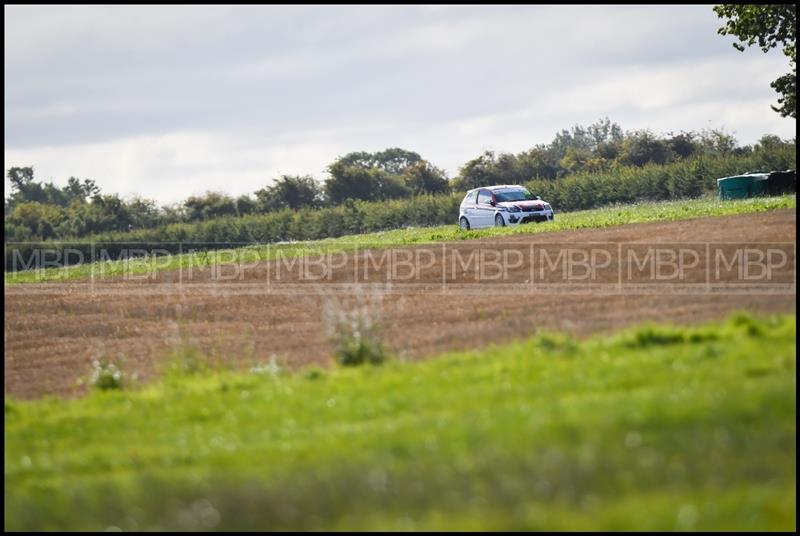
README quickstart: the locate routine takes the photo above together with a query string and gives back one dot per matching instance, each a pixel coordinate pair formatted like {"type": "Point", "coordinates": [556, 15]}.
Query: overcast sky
{"type": "Point", "coordinates": [165, 102]}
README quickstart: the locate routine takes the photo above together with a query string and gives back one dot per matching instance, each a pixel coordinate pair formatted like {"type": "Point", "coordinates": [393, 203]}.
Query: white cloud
{"type": "Point", "coordinates": [171, 167]}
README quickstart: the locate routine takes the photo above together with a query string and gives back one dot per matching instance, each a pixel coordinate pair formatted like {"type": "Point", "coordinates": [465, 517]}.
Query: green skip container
{"type": "Point", "coordinates": [742, 186]}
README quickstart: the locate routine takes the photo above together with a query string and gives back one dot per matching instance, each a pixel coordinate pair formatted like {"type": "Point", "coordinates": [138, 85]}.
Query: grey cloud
{"type": "Point", "coordinates": [134, 70]}
{"type": "Point", "coordinates": [83, 76]}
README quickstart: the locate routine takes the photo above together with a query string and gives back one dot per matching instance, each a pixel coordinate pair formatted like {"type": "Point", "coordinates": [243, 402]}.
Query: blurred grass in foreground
{"type": "Point", "coordinates": [656, 427]}
{"type": "Point", "coordinates": [586, 219]}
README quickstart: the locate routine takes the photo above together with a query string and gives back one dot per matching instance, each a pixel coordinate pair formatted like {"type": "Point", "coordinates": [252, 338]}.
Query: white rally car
{"type": "Point", "coordinates": [498, 206]}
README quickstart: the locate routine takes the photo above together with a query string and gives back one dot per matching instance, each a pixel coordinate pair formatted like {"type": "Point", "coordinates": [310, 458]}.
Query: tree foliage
{"type": "Point", "coordinates": [769, 25]}
{"type": "Point", "coordinates": [292, 192]}
{"type": "Point", "coordinates": [422, 177]}
{"type": "Point", "coordinates": [210, 205]}
{"type": "Point", "coordinates": [393, 173]}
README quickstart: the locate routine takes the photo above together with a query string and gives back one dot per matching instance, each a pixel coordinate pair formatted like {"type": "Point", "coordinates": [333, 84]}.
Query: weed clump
{"type": "Point", "coordinates": [556, 342]}
{"type": "Point", "coordinates": [105, 375]}
{"type": "Point", "coordinates": [745, 323]}
{"type": "Point", "coordinates": [651, 335]}
{"type": "Point", "coordinates": [357, 337]}
{"type": "Point", "coordinates": [314, 374]}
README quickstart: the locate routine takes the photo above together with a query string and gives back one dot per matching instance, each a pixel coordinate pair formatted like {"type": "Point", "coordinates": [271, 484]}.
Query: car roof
{"type": "Point", "coordinates": [497, 187]}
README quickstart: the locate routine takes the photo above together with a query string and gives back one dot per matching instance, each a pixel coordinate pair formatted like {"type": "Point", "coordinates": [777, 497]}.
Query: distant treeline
{"type": "Point", "coordinates": [582, 168]}
{"type": "Point", "coordinates": [682, 179]}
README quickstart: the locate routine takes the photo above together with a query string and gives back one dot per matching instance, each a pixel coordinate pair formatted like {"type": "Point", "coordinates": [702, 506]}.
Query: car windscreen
{"type": "Point", "coordinates": [513, 194]}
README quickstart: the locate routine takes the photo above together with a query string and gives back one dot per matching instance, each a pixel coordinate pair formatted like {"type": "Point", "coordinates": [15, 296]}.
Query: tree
{"type": "Point", "coordinates": [370, 176]}
{"type": "Point", "coordinates": [25, 189]}
{"type": "Point", "coordinates": [538, 162]}
{"type": "Point", "coordinates": [425, 178]}
{"type": "Point", "coordinates": [477, 172]}
{"type": "Point", "coordinates": [76, 189]}
{"type": "Point", "coordinates": [586, 139]}
{"type": "Point", "coordinates": [20, 177]}
{"type": "Point", "coordinates": [210, 205]}
{"type": "Point", "coordinates": [246, 205]}
{"type": "Point", "coordinates": [396, 160]}
{"type": "Point", "coordinates": [682, 145]}
{"type": "Point", "coordinates": [143, 213]}
{"type": "Point", "coordinates": [770, 142]}
{"type": "Point", "coordinates": [643, 147]}
{"type": "Point", "coordinates": [608, 150]}
{"type": "Point", "coordinates": [716, 141]}
{"type": "Point", "coordinates": [110, 213]}
{"type": "Point", "coordinates": [604, 132]}
{"type": "Point", "coordinates": [39, 219]}
{"type": "Point", "coordinates": [174, 213]}
{"type": "Point", "coordinates": [290, 191]}
{"type": "Point", "coordinates": [389, 185]}
{"type": "Point", "coordinates": [507, 169]}
{"type": "Point", "coordinates": [577, 137]}
{"type": "Point", "coordinates": [350, 182]}
{"type": "Point", "coordinates": [575, 159]}
{"type": "Point", "coordinates": [770, 25]}
{"type": "Point", "coordinates": [393, 160]}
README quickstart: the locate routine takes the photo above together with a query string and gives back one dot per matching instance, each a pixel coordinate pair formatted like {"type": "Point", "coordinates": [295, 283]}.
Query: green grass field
{"type": "Point", "coordinates": [595, 218]}
{"type": "Point", "coordinates": [651, 428]}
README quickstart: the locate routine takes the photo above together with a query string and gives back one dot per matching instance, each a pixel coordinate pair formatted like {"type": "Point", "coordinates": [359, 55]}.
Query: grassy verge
{"type": "Point", "coordinates": [587, 219]}
{"type": "Point", "coordinates": [653, 428]}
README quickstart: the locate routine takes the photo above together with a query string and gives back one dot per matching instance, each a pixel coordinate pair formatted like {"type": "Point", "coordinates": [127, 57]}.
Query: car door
{"type": "Point", "coordinates": [484, 210]}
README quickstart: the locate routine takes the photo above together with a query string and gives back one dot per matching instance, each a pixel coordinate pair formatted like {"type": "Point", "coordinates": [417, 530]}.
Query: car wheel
{"type": "Point", "coordinates": [499, 221]}
{"type": "Point", "coordinates": [464, 224]}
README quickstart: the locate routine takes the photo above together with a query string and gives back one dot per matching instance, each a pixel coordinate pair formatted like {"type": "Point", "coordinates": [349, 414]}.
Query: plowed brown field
{"type": "Point", "coordinates": [429, 298]}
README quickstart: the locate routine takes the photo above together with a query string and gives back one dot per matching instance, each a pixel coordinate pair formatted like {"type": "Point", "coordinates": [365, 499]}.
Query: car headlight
{"type": "Point", "coordinates": [513, 208]}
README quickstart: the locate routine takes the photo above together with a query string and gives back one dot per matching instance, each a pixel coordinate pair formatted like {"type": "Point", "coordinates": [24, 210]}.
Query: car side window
{"type": "Point", "coordinates": [471, 197]}
{"type": "Point", "coordinates": [484, 197]}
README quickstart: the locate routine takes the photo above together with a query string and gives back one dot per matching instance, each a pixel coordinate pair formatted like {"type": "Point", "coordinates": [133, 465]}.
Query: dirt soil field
{"type": "Point", "coordinates": [429, 299]}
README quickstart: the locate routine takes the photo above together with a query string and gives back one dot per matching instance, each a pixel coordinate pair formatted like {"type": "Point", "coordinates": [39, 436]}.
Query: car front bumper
{"type": "Point", "coordinates": [517, 218]}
